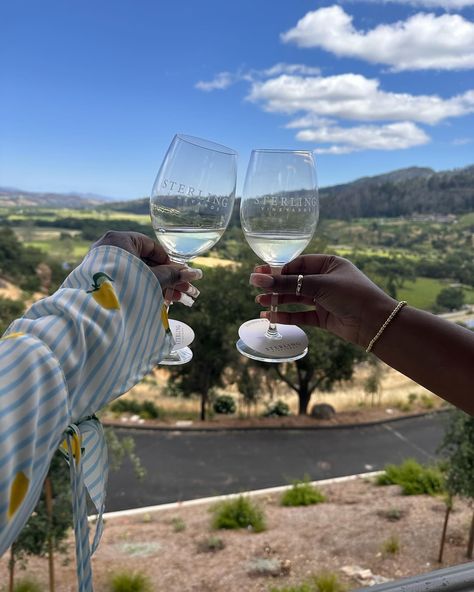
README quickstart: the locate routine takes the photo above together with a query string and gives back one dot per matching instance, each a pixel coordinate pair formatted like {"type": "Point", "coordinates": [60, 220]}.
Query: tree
{"type": "Point", "coordinates": [225, 302]}
{"type": "Point", "coordinates": [450, 298]}
{"type": "Point", "coordinates": [249, 383]}
{"type": "Point", "coordinates": [458, 445]}
{"type": "Point", "coordinates": [9, 310]}
{"type": "Point", "coordinates": [329, 360]}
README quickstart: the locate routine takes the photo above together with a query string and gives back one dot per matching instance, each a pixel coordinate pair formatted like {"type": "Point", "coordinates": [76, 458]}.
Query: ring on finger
{"type": "Point", "coordinates": [299, 285]}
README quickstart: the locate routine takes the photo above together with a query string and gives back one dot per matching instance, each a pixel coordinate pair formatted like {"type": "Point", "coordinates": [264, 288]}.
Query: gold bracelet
{"type": "Point", "coordinates": [394, 312]}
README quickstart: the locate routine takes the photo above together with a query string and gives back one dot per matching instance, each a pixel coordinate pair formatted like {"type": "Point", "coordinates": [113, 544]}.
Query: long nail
{"type": "Point", "coordinates": [186, 300]}
{"type": "Point", "coordinates": [261, 280]}
{"type": "Point", "coordinates": [190, 274]}
{"type": "Point", "coordinates": [265, 314]}
{"type": "Point", "coordinates": [193, 291]}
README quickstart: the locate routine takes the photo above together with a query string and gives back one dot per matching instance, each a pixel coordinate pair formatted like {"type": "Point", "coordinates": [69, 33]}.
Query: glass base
{"type": "Point", "coordinates": [290, 345]}
{"type": "Point", "coordinates": [177, 357]}
{"type": "Point", "coordinates": [245, 350]}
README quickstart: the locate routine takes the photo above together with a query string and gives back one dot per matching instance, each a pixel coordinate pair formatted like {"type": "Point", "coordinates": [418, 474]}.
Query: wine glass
{"type": "Point", "coordinates": [190, 206]}
{"type": "Point", "coordinates": [279, 212]}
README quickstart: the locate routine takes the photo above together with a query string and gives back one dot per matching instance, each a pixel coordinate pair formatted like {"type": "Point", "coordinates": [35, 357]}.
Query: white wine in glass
{"type": "Point", "coordinates": [190, 206]}
{"type": "Point", "coordinates": [279, 213]}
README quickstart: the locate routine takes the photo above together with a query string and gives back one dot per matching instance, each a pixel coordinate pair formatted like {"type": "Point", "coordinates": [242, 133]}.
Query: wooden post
{"type": "Point", "coordinates": [449, 507]}
{"type": "Point", "coordinates": [48, 490]}
{"type": "Point", "coordinates": [11, 569]}
{"type": "Point", "coordinates": [470, 545]}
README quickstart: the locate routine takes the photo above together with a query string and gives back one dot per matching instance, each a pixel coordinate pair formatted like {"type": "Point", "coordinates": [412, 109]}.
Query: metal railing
{"type": "Point", "coordinates": [459, 578]}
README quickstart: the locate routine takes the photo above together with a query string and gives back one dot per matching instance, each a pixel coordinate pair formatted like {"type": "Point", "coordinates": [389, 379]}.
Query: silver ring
{"type": "Point", "coordinates": [299, 284]}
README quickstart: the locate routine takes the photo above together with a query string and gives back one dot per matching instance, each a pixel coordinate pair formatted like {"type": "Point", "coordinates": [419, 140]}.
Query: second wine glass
{"type": "Point", "coordinates": [191, 204]}
{"type": "Point", "coordinates": [279, 214]}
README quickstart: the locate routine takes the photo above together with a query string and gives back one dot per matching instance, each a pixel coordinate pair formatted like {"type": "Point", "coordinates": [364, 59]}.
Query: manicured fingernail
{"type": "Point", "coordinates": [190, 274]}
{"type": "Point", "coordinates": [193, 291]}
{"type": "Point", "coordinates": [186, 300]}
{"type": "Point", "coordinates": [265, 314]}
{"type": "Point", "coordinates": [261, 280]}
{"type": "Point", "coordinates": [258, 298]}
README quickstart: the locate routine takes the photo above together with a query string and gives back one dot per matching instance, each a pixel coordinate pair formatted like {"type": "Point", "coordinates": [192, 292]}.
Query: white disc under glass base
{"type": "Point", "coordinates": [253, 343]}
{"type": "Point", "coordinates": [177, 357]}
{"type": "Point", "coordinates": [183, 336]}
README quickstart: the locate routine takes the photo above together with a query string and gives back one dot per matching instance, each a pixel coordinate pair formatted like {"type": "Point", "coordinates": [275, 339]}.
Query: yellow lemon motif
{"type": "Point", "coordinates": [13, 335]}
{"type": "Point", "coordinates": [75, 445]}
{"type": "Point", "coordinates": [103, 292]}
{"type": "Point", "coordinates": [164, 318]}
{"type": "Point", "coordinates": [18, 490]}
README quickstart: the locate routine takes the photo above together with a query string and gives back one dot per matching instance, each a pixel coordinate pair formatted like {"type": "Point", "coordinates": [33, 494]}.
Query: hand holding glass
{"type": "Point", "coordinates": [279, 214]}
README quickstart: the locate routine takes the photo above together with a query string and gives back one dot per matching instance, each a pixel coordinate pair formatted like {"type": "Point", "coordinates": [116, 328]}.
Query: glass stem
{"type": "Point", "coordinates": [170, 290]}
{"type": "Point", "coordinates": [272, 331]}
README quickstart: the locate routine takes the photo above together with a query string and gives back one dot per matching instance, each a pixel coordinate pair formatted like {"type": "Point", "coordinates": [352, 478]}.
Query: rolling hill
{"type": "Point", "coordinates": [10, 196]}
{"type": "Point", "coordinates": [403, 192]}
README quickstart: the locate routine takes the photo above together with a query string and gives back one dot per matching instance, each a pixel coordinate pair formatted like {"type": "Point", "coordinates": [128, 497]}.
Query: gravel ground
{"type": "Point", "coordinates": [351, 528]}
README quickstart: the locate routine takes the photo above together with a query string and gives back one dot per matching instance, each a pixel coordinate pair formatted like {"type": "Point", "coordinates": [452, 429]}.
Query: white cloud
{"type": "Point", "coordinates": [461, 141]}
{"type": "Point", "coordinates": [446, 4]}
{"type": "Point", "coordinates": [223, 80]}
{"type": "Point", "coordinates": [282, 68]}
{"type": "Point", "coordinates": [354, 97]}
{"type": "Point", "coordinates": [423, 41]}
{"type": "Point", "coordinates": [393, 136]}
{"type": "Point", "coordinates": [220, 82]}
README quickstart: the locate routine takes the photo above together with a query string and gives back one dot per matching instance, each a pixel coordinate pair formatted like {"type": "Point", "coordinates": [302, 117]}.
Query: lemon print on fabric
{"type": "Point", "coordinates": [18, 490]}
{"type": "Point", "coordinates": [164, 318]}
{"type": "Point", "coordinates": [76, 446]}
{"type": "Point", "coordinates": [13, 335]}
{"type": "Point", "coordinates": [103, 292]}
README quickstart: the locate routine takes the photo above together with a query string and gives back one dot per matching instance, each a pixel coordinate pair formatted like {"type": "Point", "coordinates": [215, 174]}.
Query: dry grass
{"type": "Point", "coordinates": [397, 394]}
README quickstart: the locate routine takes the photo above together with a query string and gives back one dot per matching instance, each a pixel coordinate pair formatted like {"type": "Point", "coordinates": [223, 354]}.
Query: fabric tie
{"type": "Point", "coordinates": [86, 451]}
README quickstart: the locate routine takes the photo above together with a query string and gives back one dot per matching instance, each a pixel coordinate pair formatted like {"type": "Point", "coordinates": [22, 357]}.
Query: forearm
{"type": "Point", "coordinates": [434, 352]}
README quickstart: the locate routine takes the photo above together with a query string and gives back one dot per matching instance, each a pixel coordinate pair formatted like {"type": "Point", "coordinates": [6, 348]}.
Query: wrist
{"type": "Point", "coordinates": [374, 314]}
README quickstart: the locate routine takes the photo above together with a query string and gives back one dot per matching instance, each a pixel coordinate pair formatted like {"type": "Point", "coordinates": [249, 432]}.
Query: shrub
{"type": "Point", "coordinates": [149, 410]}
{"type": "Point", "coordinates": [146, 410]}
{"type": "Point", "coordinates": [413, 478]}
{"type": "Point", "coordinates": [302, 494]}
{"type": "Point", "coordinates": [278, 409]}
{"type": "Point", "coordinates": [130, 582]}
{"type": "Point", "coordinates": [27, 585]}
{"type": "Point", "coordinates": [210, 545]}
{"type": "Point", "coordinates": [238, 513]}
{"type": "Point", "coordinates": [224, 404]}
{"type": "Point", "coordinates": [391, 546]}
{"type": "Point", "coordinates": [178, 524]}
{"type": "Point", "coordinates": [427, 401]}
{"type": "Point", "coordinates": [324, 582]}
{"type": "Point", "coordinates": [328, 582]}
{"type": "Point", "coordinates": [393, 514]}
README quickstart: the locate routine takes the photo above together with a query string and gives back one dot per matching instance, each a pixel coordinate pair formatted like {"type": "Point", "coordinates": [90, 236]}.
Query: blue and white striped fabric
{"type": "Point", "coordinates": [70, 354]}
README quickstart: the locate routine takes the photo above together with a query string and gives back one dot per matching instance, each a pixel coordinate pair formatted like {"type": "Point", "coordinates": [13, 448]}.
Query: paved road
{"type": "Point", "coordinates": [188, 465]}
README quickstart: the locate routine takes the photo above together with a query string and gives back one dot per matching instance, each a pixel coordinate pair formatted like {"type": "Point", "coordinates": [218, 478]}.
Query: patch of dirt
{"type": "Point", "coordinates": [351, 528]}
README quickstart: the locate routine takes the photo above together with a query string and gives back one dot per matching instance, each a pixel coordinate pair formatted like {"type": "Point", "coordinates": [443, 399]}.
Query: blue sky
{"type": "Point", "coordinates": [92, 92]}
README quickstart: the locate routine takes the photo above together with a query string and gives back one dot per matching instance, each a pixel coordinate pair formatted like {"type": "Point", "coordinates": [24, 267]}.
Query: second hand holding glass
{"type": "Point", "coordinates": [191, 204]}
{"type": "Point", "coordinates": [279, 214]}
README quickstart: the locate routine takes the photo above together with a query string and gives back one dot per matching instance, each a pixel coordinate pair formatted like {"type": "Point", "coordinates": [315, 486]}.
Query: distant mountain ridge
{"type": "Point", "coordinates": [403, 192]}
{"type": "Point", "coordinates": [10, 196]}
